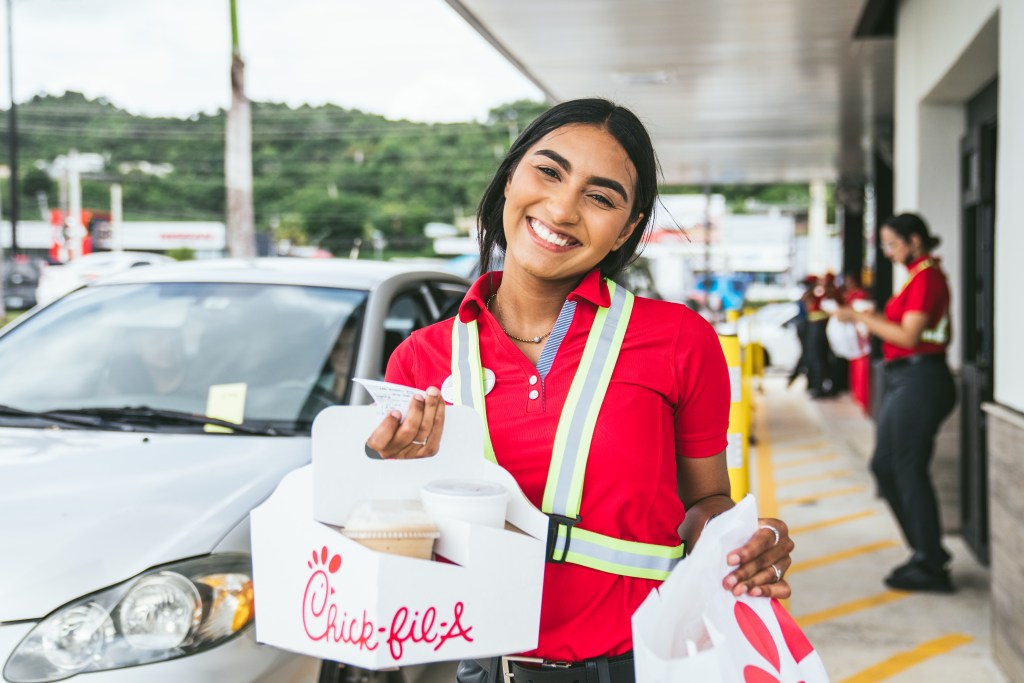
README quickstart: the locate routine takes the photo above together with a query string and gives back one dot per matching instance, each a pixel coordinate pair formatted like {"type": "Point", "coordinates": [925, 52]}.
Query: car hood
{"type": "Point", "coordinates": [82, 510]}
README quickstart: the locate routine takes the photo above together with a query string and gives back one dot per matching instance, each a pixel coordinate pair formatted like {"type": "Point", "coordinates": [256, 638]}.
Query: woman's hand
{"type": "Point", "coordinates": [418, 436]}
{"type": "Point", "coordinates": [762, 562]}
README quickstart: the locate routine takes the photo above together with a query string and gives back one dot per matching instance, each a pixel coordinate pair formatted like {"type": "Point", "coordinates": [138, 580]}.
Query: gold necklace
{"type": "Point", "coordinates": [534, 340]}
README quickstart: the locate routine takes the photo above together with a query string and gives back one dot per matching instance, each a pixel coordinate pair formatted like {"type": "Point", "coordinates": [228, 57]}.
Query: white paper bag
{"type": "Point", "coordinates": [846, 339]}
{"type": "Point", "coordinates": [693, 629]}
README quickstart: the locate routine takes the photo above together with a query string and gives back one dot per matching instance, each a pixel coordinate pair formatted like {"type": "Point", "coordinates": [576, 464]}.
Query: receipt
{"type": "Point", "coordinates": [388, 396]}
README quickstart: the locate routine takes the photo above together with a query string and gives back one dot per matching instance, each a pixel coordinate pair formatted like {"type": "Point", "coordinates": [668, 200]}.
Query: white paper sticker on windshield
{"type": "Point", "coordinates": [388, 396]}
{"type": "Point", "coordinates": [226, 402]}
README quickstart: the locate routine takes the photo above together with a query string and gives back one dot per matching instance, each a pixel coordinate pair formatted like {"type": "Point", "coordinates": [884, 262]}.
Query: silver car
{"type": "Point", "coordinates": [141, 419]}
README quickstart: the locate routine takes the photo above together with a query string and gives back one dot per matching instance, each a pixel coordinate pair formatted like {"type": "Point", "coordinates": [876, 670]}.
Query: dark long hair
{"type": "Point", "coordinates": [621, 124]}
{"type": "Point", "coordinates": [907, 224]}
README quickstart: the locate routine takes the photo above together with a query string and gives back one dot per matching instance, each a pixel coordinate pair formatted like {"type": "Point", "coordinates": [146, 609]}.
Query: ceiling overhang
{"type": "Point", "coordinates": [745, 91]}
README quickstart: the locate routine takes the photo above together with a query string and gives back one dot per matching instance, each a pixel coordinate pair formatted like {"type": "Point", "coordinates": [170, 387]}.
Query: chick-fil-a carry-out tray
{"type": "Point", "coordinates": [321, 593]}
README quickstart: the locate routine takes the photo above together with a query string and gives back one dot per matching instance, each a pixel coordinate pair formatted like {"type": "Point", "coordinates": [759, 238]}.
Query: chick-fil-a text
{"type": "Point", "coordinates": [320, 617]}
{"type": "Point", "coordinates": [425, 629]}
{"type": "Point", "coordinates": [321, 621]}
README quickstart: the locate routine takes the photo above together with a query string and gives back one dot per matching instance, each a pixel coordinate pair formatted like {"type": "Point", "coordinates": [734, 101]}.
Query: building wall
{"type": "Point", "coordinates": [1006, 421]}
{"type": "Point", "coordinates": [1009, 362]}
{"type": "Point", "coordinates": [1006, 478]}
{"type": "Point", "coordinates": [947, 50]}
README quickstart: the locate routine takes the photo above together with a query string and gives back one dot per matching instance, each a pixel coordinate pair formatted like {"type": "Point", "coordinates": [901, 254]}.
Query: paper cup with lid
{"type": "Point", "coordinates": [476, 501]}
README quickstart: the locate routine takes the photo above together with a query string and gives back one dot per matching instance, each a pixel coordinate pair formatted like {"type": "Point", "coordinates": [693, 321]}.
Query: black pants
{"type": "Point", "coordinates": [918, 397]}
{"type": "Point", "coordinates": [817, 353]}
{"type": "Point", "coordinates": [598, 670]}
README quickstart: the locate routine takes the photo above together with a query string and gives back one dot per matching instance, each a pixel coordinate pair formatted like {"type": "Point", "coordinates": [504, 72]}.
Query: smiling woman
{"type": "Point", "coordinates": [587, 378]}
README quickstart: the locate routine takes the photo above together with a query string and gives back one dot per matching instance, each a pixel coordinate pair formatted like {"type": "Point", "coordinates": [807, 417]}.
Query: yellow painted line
{"type": "Point", "coordinates": [904, 660]}
{"type": "Point", "coordinates": [824, 524]}
{"type": "Point", "coordinates": [850, 608]}
{"type": "Point", "coordinates": [766, 501]}
{"type": "Point", "coordinates": [799, 500]}
{"type": "Point", "coordinates": [840, 556]}
{"type": "Point", "coordinates": [813, 446]}
{"type": "Point", "coordinates": [806, 461]}
{"type": "Point", "coordinates": [824, 476]}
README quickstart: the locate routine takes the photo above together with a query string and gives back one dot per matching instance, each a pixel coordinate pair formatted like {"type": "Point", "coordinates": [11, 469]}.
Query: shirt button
{"type": "Point", "coordinates": [534, 394]}
{"type": "Point", "coordinates": [533, 379]}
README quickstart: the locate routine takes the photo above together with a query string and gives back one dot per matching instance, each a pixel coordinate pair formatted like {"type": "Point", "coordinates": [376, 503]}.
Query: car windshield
{"type": "Point", "coordinates": [271, 355]}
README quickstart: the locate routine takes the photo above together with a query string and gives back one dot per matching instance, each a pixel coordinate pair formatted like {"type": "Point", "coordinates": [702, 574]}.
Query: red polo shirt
{"type": "Point", "coordinates": [668, 398]}
{"type": "Point", "coordinates": [926, 291]}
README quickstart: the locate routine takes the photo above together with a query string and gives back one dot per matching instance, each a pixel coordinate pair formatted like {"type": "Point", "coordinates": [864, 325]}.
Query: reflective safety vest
{"type": "Point", "coordinates": [938, 333]}
{"type": "Point", "coordinates": [567, 542]}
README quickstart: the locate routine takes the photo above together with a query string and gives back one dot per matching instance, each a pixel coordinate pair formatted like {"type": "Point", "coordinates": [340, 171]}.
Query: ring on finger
{"type": "Point", "coordinates": [775, 531]}
{"type": "Point", "coordinates": [420, 443]}
{"type": "Point", "coordinates": [778, 572]}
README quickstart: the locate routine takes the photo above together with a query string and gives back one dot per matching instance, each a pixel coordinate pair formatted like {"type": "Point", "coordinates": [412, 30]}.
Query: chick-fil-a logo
{"type": "Point", "coordinates": [324, 619]}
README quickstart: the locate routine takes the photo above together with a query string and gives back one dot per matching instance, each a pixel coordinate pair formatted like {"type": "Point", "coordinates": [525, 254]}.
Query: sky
{"type": "Point", "coordinates": [414, 59]}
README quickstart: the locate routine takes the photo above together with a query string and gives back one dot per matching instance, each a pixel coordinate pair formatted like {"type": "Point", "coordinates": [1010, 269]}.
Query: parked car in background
{"type": "Point", "coordinates": [20, 278]}
{"type": "Point", "coordinates": [774, 326]}
{"type": "Point", "coordinates": [55, 281]}
{"type": "Point", "coordinates": [141, 419]}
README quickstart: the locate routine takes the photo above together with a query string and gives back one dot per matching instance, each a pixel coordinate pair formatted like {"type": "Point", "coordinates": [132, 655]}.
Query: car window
{"type": "Point", "coordinates": [448, 296]}
{"type": "Point", "coordinates": [282, 352]}
{"type": "Point", "coordinates": [408, 312]}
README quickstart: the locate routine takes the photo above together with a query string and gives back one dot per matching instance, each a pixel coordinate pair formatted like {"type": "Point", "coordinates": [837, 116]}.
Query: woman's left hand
{"type": "Point", "coordinates": [762, 562]}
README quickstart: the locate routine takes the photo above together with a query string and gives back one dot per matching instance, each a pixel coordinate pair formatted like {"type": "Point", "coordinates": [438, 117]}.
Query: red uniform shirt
{"type": "Point", "coordinates": [669, 397]}
{"type": "Point", "coordinates": [926, 290]}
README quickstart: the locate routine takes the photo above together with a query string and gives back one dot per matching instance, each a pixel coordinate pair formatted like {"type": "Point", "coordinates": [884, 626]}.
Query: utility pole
{"type": "Point", "coordinates": [3, 310]}
{"type": "Point", "coordinates": [73, 218]}
{"type": "Point", "coordinates": [238, 157]}
{"type": "Point", "coordinates": [12, 132]}
{"type": "Point", "coordinates": [708, 278]}
{"type": "Point", "coordinates": [116, 203]}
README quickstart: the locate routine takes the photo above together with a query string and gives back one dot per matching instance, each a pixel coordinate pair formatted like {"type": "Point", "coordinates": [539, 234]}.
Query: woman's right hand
{"type": "Point", "coordinates": [418, 436]}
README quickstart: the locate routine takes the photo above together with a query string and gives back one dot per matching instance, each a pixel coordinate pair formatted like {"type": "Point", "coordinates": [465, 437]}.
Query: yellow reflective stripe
{"type": "Point", "coordinates": [466, 361]}
{"type": "Point", "coordinates": [596, 402]}
{"type": "Point", "coordinates": [920, 268]}
{"type": "Point", "coordinates": [477, 385]}
{"type": "Point", "coordinates": [617, 569]}
{"type": "Point", "coordinates": [938, 334]}
{"type": "Point", "coordinates": [585, 548]}
{"type": "Point", "coordinates": [456, 371]}
{"type": "Point", "coordinates": [572, 402]}
{"type": "Point", "coordinates": [669, 552]}
{"type": "Point", "coordinates": [626, 558]}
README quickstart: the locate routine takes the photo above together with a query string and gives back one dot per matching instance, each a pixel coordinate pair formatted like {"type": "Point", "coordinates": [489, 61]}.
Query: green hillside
{"type": "Point", "coordinates": [323, 175]}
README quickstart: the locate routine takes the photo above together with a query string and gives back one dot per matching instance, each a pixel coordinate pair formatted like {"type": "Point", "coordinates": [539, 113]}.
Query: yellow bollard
{"type": "Point", "coordinates": [739, 419]}
{"type": "Point", "coordinates": [758, 349]}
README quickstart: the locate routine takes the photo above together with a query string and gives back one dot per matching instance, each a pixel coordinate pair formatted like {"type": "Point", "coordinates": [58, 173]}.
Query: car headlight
{"type": "Point", "coordinates": [167, 612]}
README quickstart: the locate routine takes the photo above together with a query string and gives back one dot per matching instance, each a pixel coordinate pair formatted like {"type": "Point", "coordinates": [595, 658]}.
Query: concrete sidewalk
{"type": "Point", "coordinates": [810, 468]}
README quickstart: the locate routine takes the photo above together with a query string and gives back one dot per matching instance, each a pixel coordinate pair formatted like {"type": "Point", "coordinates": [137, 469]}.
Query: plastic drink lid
{"type": "Point", "coordinates": [390, 519]}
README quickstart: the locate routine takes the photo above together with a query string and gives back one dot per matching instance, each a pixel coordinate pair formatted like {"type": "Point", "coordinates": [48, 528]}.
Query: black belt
{"type": "Point", "coordinates": [919, 359]}
{"type": "Point", "coordinates": [618, 669]}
